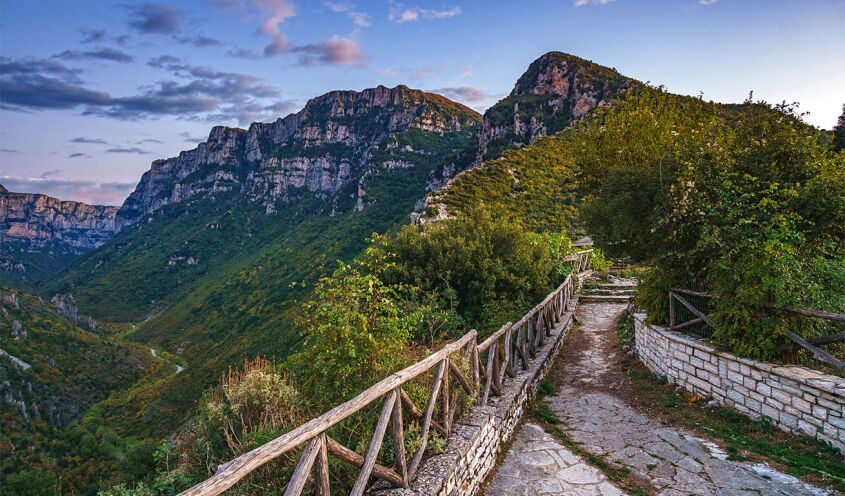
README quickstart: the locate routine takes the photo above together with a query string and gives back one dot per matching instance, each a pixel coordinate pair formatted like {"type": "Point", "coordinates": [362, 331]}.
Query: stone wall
{"type": "Point", "coordinates": [476, 440]}
{"type": "Point", "coordinates": [797, 399]}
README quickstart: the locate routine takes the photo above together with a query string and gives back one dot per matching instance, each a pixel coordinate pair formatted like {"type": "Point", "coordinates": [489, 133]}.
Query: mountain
{"type": "Point", "coordinates": [334, 140]}
{"type": "Point", "coordinates": [556, 90]}
{"type": "Point", "coordinates": [217, 247]}
{"type": "Point", "coordinates": [51, 373]}
{"type": "Point", "coordinates": [515, 169]}
{"type": "Point", "coordinates": [40, 234]}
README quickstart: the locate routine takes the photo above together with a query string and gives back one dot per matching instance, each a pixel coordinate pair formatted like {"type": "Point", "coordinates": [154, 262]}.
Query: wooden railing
{"type": "Point", "coordinates": [811, 345]}
{"type": "Point", "coordinates": [580, 260]}
{"type": "Point", "coordinates": [519, 345]}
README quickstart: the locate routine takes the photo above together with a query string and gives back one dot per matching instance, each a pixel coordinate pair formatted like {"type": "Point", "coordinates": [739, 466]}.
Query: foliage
{"type": "Point", "coordinates": [490, 264]}
{"type": "Point", "coordinates": [357, 334]}
{"type": "Point", "coordinates": [751, 208]}
{"type": "Point", "coordinates": [839, 132]}
{"type": "Point", "coordinates": [533, 185]}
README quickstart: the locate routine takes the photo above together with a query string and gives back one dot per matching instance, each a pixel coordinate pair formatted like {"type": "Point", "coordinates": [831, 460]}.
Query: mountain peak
{"type": "Point", "coordinates": [315, 151]}
{"type": "Point", "coordinates": [556, 90]}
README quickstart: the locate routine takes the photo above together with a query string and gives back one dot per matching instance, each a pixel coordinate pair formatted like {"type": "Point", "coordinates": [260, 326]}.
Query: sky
{"type": "Point", "coordinates": [91, 92]}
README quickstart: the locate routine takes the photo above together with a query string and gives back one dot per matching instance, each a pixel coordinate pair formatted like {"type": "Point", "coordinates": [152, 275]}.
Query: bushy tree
{"type": "Point", "coordinates": [492, 265]}
{"type": "Point", "coordinates": [745, 203]}
{"type": "Point", "coordinates": [839, 132]}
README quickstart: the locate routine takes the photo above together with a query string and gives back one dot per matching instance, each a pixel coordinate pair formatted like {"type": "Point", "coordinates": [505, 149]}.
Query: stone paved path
{"type": "Point", "coordinates": [673, 461]}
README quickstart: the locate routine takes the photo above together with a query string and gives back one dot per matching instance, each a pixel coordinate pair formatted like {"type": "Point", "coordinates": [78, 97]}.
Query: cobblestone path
{"type": "Point", "coordinates": [670, 460]}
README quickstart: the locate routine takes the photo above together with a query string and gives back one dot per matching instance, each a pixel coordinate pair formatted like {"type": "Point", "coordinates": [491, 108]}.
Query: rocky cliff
{"type": "Point", "coordinates": [556, 90]}
{"type": "Point", "coordinates": [39, 222]}
{"type": "Point", "coordinates": [313, 152]}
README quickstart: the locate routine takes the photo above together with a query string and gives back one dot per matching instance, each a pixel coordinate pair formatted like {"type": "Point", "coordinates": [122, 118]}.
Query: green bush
{"type": "Point", "coordinates": [493, 266]}
{"type": "Point", "coordinates": [751, 207]}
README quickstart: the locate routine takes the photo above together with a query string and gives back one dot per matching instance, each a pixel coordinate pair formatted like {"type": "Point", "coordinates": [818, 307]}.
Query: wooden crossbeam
{"type": "Point", "coordinates": [818, 353]}
{"type": "Point", "coordinates": [692, 309]}
{"type": "Point", "coordinates": [349, 456]}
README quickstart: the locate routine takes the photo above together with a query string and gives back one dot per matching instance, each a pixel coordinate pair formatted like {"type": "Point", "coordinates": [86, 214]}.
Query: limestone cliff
{"type": "Point", "coordinates": [555, 91]}
{"type": "Point", "coordinates": [38, 223]}
{"type": "Point", "coordinates": [313, 152]}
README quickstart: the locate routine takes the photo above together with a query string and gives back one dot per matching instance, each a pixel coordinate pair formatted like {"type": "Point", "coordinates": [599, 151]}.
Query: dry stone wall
{"type": "Point", "coordinates": [796, 399]}
{"type": "Point", "coordinates": [476, 441]}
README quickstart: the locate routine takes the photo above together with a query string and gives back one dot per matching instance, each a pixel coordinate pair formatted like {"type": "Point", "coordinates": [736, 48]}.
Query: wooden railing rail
{"type": "Point", "coordinates": [520, 343]}
{"type": "Point", "coordinates": [810, 345]}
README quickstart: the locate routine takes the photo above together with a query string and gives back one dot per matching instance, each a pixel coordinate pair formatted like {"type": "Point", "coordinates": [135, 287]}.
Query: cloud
{"type": "Point", "coordinates": [83, 139]}
{"type": "Point", "coordinates": [464, 94]}
{"type": "Point", "coordinates": [131, 149]}
{"type": "Point", "coordinates": [359, 19]}
{"type": "Point", "coordinates": [35, 84]}
{"type": "Point", "coordinates": [400, 14]}
{"type": "Point", "coordinates": [101, 53]}
{"type": "Point", "coordinates": [92, 35]}
{"type": "Point", "coordinates": [243, 53]}
{"type": "Point", "coordinates": [76, 155]}
{"type": "Point", "coordinates": [154, 18]}
{"type": "Point", "coordinates": [8, 150]}
{"type": "Point", "coordinates": [198, 93]}
{"type": "Point", "coordinates": [707, 2]}
{"type": "Point", "coordinates": [415, 73]}
{"type": "Point", "coordinates": [466, 71]}
{"type": "Point", "coordinates": [197, 41]}
{"type": "Point", "coordinates": [91, 192]}
{"type": "Point", "coordinates": [580, 3]}
{"type": "Point", "coordinates": [148, 140]}
{"type": "Point", "coordinates": [335, 50]}
{"type": "Point", "coordinates": [191, 139]}
{"type": "Point", "coordinates": [163, 60]}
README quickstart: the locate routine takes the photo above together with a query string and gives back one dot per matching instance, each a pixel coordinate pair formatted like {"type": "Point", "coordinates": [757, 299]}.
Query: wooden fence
{"type": "Point", "coordinates": [494, 362]}
{"type": "Point", "coordinates": [677, 295]}
{"type": "Point", "coordinates": [580, 260]}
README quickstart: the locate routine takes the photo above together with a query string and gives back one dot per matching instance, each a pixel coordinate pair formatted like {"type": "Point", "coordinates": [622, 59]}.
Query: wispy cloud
{"type": "Point", "coordinates": [411, 73]}
{"type": "Point", "coordinates": [581, 3]}
{"type": "Point", "coordinates": [109, 54]}
{"type": "Point", "coordinates": [154, 18]}
{"type": "Point", "coordinates": [359, 19]}
{"type": "Point", "coordinates": [399, 13]}
{"type": "Point", "coordinates": [77, 155]}
{"type": "Point", "coordinates": [335, 50]}
{"type": "Point", "coordinates": [707, 2]}
{"type": "Point", "coordinates": [92, 35]}
{"type": "Point", "coordinates": [129, 149]}
{"type": "Point", "coordinates": [469, 95]}
{"type": "Point", "coordinates": [83, 139]}
{"type": "Point", "coordinates": [198, 93]}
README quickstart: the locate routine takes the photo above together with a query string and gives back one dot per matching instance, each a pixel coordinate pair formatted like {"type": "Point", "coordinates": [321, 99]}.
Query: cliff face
{"type": "Point", "coordinates": [41, 222]}
{"type": "Point", "coordinates": [313, 152]}
{"type": "Point", "coordinates": [556, 90]}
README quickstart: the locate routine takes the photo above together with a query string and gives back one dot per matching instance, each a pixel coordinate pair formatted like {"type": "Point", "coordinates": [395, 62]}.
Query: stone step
{"type": "Point", "coordinates": [609, 292]}
{"type": "Point", "coordinates": [607, 285]}
{"type": "Point", "coordinates": [587, 298]}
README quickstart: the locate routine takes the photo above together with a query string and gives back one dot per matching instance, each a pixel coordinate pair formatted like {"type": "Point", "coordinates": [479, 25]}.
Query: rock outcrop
{"type": "Point", "coordinates": [315, 151]}
{"type": "Point", "coordinates": [556, 90]}
{"type": "Point", "coordinates": [66, 307]}
{"type": "Point", "coordinates": [40, 223]}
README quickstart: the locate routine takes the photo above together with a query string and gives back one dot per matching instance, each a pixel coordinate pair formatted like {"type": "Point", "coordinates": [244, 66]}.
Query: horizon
{"type": "Point", "coordinates": [90, 94]}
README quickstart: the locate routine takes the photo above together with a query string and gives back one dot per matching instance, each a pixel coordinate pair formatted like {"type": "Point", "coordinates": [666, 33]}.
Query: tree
{"type": "Point", "coordinates": [839, 132]}
{"type": "Point", "coordinates": [742, 201]}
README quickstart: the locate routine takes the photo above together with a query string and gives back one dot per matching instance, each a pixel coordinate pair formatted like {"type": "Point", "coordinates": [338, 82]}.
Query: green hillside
{"type": "Point", "coordinates": [64, 371]}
